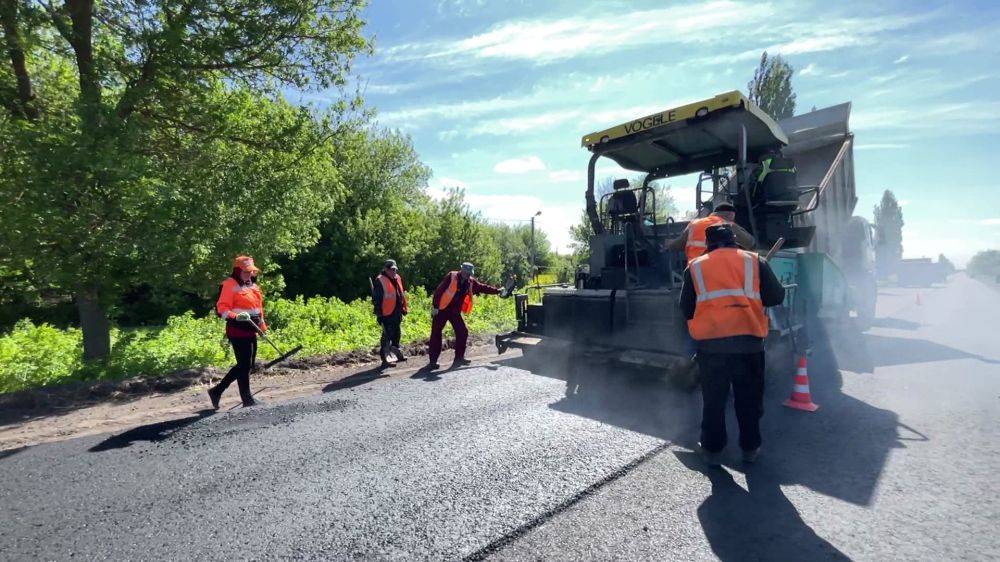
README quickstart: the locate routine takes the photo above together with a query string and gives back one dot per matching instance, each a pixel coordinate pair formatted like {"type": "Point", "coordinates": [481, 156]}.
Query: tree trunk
{"type": "Point", "coordinates": [95, 325]}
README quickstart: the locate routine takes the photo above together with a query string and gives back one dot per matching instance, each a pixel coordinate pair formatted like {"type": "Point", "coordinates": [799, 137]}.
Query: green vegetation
{"type": "Point", "coordinates": [888, 234]}
{"type": "Point", "coordinates": [985, 264]}
{"type": "Point", "coordinates": [771, 87]}
{"type": "Point", "coordinates": [147, 144]}
{"type": "Point", "coordinates": [41, 355]}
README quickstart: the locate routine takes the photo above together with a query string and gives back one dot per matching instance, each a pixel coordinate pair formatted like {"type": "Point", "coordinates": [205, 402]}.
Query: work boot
{"type": "Point", "coordinates": [460, 362]}
{"type": "Point", "coordinates": [751, 455]}
{"type": "Point", "coordinates": [214, 395]}
{"type": "Point", "coordinates": [398, 353]}
{"type": "Point", "coordinates": [385, 364]}
{"type": "Point", "coordinates": [433, 366]}
{"type": "Point", "coordinates": [251, 403]}
{"type": "Point", "coordinates": [712, 459]}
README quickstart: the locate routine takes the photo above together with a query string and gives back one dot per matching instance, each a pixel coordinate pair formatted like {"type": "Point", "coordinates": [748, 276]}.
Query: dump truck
{"type": "Point", "coordinates": [624, 307]}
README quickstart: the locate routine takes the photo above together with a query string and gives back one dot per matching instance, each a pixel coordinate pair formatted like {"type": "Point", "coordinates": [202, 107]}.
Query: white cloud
{"type": "Point", "coordinates": [519, 165]}
{"type": "Point", "coordinates": [437, 188]}
{"type": "Point", "coordinates": [810, 70]}
{"type": "Point", "coordinates": [990, 222]}
{"type": "Point", "coordinates": [901, 59]}
{"type": "Point", "coordinates": [904, 202]}
{"type": "Point", "coordinates": [567, 176]}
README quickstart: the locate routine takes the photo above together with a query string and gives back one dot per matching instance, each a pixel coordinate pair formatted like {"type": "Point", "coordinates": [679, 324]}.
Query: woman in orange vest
{"type": "Point", "coordinates": [692, 240]}
{"type": "Point", "coordinates": [723, 297]}
{"type": "Point", "coordinates": [241, 305]}
{"type": "Point", "coordinates": [452, 298]}
{"type": "Point", "coordinates": [391, 304]}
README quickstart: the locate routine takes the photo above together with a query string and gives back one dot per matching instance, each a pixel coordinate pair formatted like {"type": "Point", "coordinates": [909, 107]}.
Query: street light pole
{"type": "Point", "coordinates": [534, 270]}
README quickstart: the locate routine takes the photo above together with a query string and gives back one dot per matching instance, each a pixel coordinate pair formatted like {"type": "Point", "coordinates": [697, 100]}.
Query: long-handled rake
{"type": "Point", "coordinates": [281, 356]}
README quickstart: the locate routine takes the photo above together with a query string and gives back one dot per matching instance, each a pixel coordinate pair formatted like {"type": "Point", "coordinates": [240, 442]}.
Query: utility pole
{"type": "Point", "coordinates": [534, 270]}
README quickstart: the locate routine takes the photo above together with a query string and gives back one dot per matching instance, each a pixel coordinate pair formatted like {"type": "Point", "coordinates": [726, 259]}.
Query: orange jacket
{"type": "Point", "coordinates": [389, 295]}
{"type": "Point", "coordinates": [696, 245]}
{"type": "Point", "coordinates": [235, 298]}
{"type": "Point", "coordinates": [452, 289]}
{"type": "Point", "coordinates": [727, 285]}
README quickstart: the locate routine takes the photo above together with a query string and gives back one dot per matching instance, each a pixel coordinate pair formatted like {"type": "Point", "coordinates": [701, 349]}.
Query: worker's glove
{"type": "Point", "coordinates": [243, 317]}
{"type": "Point", "coordinates": [434, 312]}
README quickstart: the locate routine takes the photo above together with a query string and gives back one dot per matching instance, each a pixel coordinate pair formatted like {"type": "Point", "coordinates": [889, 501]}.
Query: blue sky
{"type": "Point", "coordinates": [496, 95]}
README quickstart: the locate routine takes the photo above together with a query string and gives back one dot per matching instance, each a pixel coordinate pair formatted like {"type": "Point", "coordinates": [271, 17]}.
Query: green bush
{"type": "Point", "coordinates": [41, 355]}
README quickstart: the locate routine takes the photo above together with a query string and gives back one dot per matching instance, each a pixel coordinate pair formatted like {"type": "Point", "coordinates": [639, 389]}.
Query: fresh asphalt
{"type": "Point", "coordinates": [492, 461]}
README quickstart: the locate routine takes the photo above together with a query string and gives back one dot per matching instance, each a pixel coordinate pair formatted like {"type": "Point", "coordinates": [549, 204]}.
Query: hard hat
{"type": "Point", "coordinates": [389, 264]}
{"type": "Point", "coordinates": [468, 268]}
{"type": "Point", "coordinates": [725, 208]}
{"type": "Point", "coordinates": [246, 264]}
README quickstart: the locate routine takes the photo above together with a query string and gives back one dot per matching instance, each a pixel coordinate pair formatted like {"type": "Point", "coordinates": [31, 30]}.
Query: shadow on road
{"type": "Point", "coordinates": [357, 379]}
{"type": "Point", "coordinates": [758, 523]}
{"type": "Point", "coordinates": [11, 452]}
{"type": "Point", "coordinates": [895, 324]}
{"type": "Point", "coordinates": [839, 451]}
{"type": "Point", "coordinates": [153, 432]}
{"type": "Point", "coordinates": [862, 353]}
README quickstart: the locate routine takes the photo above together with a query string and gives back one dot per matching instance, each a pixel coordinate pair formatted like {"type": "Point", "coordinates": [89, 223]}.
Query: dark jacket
{"type": "Point", "coordinates": [772, 293]}
{"type": "Point", "coordinates": [463, 288]}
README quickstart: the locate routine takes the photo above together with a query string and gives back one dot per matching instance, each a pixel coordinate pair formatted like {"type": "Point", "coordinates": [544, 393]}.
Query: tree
{"type": "Point", "coordinates": [888, 234]}
{"type": "Point", "coordinates": [946, 264]}
{"type": "Point", "coordinates": [148, 139]}
{"type": "Point", "coordinates": [380, 214]}
{"type": "Point", "coordinates": [771, 87]}
{"type": "Point", "coordinates": [985, 264]}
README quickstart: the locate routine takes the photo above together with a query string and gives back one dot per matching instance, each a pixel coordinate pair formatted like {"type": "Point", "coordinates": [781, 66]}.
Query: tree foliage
{"type": "Point", "coordinates": [888, 233]}
{"type": "Point", "coordinates": [149, 138]}
{"type": "Point", "coordinates": [771, 87]}
{"type": "Point", "coordinates": [986, 264]}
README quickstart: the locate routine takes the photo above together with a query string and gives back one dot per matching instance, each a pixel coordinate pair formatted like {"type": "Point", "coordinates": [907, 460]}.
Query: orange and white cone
{"type": "Point", "coordinates": [801, 399]}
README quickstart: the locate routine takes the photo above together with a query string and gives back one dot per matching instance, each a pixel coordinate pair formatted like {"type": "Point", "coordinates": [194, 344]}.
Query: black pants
{"type": "Point", "coordinates": [391, 332]}
{"type": "Point", "coordinates": [245, 350]}
{"type": "Point", "coordinates": [745, 373]}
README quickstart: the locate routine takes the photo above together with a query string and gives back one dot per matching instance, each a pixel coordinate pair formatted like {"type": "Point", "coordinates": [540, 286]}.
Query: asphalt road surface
{"type": "Point", "coordinates": [492, 461]}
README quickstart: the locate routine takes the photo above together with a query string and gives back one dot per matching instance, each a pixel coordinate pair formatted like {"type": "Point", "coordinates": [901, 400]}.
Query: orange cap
{"type": "Point", "coordinates": [246, 264]}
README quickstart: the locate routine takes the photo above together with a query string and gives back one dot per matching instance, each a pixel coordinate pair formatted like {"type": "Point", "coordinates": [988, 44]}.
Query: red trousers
{"type": "Point", "coordinates": [437, 327]}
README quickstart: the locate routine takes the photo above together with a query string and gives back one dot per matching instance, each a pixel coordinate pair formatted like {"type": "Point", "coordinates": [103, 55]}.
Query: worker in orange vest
{"type": "Point", "coordinates": [241, 305]}
{"type": "Point", "coordinates": [391, 304]}
{"type": "Point", "coordinates": [453, 298]}
{"type": "Point", "coordinates": [723, 296]}
{"type": "Point", "coordinates": [692, 240]}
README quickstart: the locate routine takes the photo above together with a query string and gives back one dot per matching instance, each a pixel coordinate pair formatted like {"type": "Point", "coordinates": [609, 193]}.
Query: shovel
{"type": "Point", "coordinates": [281, 356]}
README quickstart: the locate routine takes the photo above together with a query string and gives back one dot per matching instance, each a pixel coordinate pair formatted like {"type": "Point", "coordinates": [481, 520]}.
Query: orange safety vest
{"type": "Point", "coordinates": [452, 290]}
{"type": "Point", "coordinates": [696, 244]}
{"type": "Point", "coordinates": [727, 285]}
{"type": "Point", "coordinates": [389, 294]}
{"type": "Point", "coordinates": [237, 298]}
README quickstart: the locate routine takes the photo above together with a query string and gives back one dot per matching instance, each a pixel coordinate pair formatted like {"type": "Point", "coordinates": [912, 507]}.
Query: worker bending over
{"type": "Point", "coordinates": [692, 240]}
{"type": "Point", "coordinates": [452, 299]}
{"type": "Point", "coordinates": [391, 304]}
{"type": "Point", "coordinates": [241, 305]}
{"type": "Point", "coordinates": [723, 297]}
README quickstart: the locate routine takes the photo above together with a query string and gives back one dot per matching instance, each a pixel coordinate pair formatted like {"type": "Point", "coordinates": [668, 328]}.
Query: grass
{"type": "Point", "coordinates": [41, 355]}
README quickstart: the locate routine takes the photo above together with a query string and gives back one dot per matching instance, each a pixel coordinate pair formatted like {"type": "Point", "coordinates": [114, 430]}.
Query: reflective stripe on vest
{"type": "Point", "coordinates": [727, 288]}
{"type": "Point", "coordinates": [452, 290]}
{"type": "Point", "coordinates": [696, 244]}
{"type": "Point", "coordinates": [389, 294]}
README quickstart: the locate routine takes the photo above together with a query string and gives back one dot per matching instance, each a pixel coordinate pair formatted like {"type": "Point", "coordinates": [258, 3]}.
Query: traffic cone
{"type": "Point", "coordinates": [801, 399]}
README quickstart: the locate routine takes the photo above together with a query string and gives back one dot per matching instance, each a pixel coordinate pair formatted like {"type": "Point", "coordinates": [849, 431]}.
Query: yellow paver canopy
{"type": "Point", "coordinates": [689, 138]}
